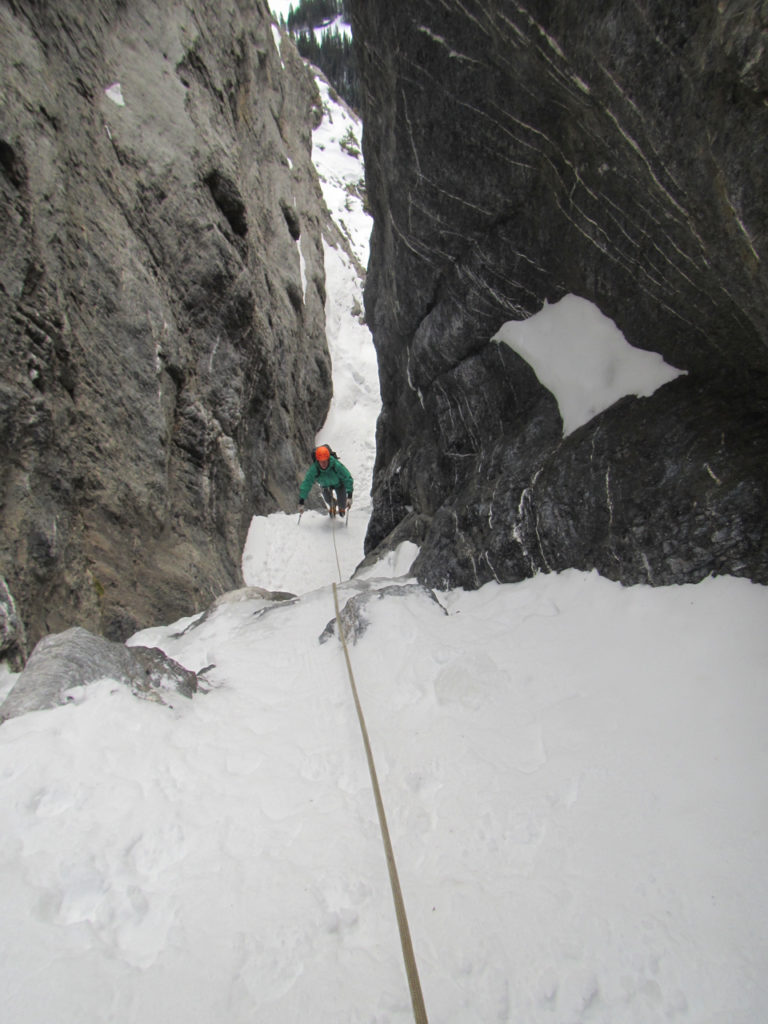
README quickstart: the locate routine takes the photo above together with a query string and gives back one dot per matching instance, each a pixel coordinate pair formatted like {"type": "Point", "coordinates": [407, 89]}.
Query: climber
{"type": "Point", "coordinates": [327, 471]}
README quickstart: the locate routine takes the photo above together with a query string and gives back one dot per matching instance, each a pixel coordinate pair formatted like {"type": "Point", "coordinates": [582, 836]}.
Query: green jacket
{"type": "Point", "coordinates": [335, 474]}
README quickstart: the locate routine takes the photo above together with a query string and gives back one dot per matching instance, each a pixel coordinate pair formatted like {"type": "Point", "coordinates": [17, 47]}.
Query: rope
{"type": "Point", "coordinates": [417, 1000]}
{"type": "Point", "coordinates": [336, 552]}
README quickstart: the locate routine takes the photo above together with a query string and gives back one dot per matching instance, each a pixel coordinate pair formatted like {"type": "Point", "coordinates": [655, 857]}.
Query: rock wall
{"type": "Point", "coordinates": [164, 365]}
{"type": "Point", "coordinates": [519, 152]}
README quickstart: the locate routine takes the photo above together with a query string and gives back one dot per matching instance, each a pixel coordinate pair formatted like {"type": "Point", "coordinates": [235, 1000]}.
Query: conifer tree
{"type": "Point", "coordinates": [332, 51]}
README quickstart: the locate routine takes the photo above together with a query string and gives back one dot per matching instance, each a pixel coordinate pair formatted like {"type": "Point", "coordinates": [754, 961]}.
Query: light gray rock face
{"type": "Point", "coordinates": [63, 661]}
{"type": "Point", "coordinates": [516, 153]}
{"type": "Point", "coordinates": [163, 366]}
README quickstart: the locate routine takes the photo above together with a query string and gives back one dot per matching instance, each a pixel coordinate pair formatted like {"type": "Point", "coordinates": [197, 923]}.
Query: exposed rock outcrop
{"type": "Point", "coordinates": [516, 153]}
{"type": "Point", "coordinates": [75, 658]}
{"type": "Point", "coordinates": [163, 366]}
{"type": "Point", "coordinates": [354, 616]}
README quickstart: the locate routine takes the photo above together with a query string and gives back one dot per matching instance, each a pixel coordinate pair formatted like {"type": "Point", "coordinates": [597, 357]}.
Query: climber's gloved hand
{"type": "Point", "coordinates": [349, 501]}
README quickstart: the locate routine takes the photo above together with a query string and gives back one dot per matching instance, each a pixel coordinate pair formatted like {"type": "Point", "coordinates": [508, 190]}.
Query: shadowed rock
{"type": "Point", "coordinates": [516, 153]}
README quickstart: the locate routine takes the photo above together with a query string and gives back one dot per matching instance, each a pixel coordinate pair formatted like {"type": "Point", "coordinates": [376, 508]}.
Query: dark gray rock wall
{"type": "Point", "coordinates": [518, 152]}
{"type": "Point", "coordinates": [162, 369]}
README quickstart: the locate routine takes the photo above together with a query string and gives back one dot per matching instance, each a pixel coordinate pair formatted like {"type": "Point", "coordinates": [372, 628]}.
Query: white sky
{"type": "Point", "coordinates": [575, 775]}
{"type": "Point", "coordinates": [282, 7]}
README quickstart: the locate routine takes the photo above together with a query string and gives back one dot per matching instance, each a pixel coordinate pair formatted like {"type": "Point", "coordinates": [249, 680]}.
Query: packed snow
{"type": "Point", "coordinates": [337, 147]}
{"type": "Point", "coordinates": [575, 776]}
{"type": "Point", "coordinates": [331, 25]}
{"type": "Point", "coordinates": [115, 93]}
{"type": "Point", "coordinates": [582, 357]}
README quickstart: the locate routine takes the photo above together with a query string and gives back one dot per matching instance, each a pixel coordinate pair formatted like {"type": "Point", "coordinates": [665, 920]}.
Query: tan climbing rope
{"type": "Point", "coordinates": [336, 552]}
{"type": "Point", "coordinates": [417, 1000]}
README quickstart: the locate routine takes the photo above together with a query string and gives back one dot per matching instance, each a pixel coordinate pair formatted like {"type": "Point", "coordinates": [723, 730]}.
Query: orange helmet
{"type": "Point", "coordinates": [323, 453]}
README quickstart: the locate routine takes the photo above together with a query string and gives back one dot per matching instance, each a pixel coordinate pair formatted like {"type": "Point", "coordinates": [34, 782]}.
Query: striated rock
{"type": "Point", "coordinates": [164, 364]}
{"type": "Point", "coordinates": [519, 153]}
{"type": "Point", "coordinates": [76, 657]}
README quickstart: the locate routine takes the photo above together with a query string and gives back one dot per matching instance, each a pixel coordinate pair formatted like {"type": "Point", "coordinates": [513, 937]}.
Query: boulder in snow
{"type": "Point", "coordinates": [353, 616]}
{"type": "Point", "coordinates": [76, 657]}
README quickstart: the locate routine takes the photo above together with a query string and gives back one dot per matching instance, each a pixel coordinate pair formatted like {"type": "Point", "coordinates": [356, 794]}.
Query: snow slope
{"type": "Point", "coordinates": [575, 776]}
